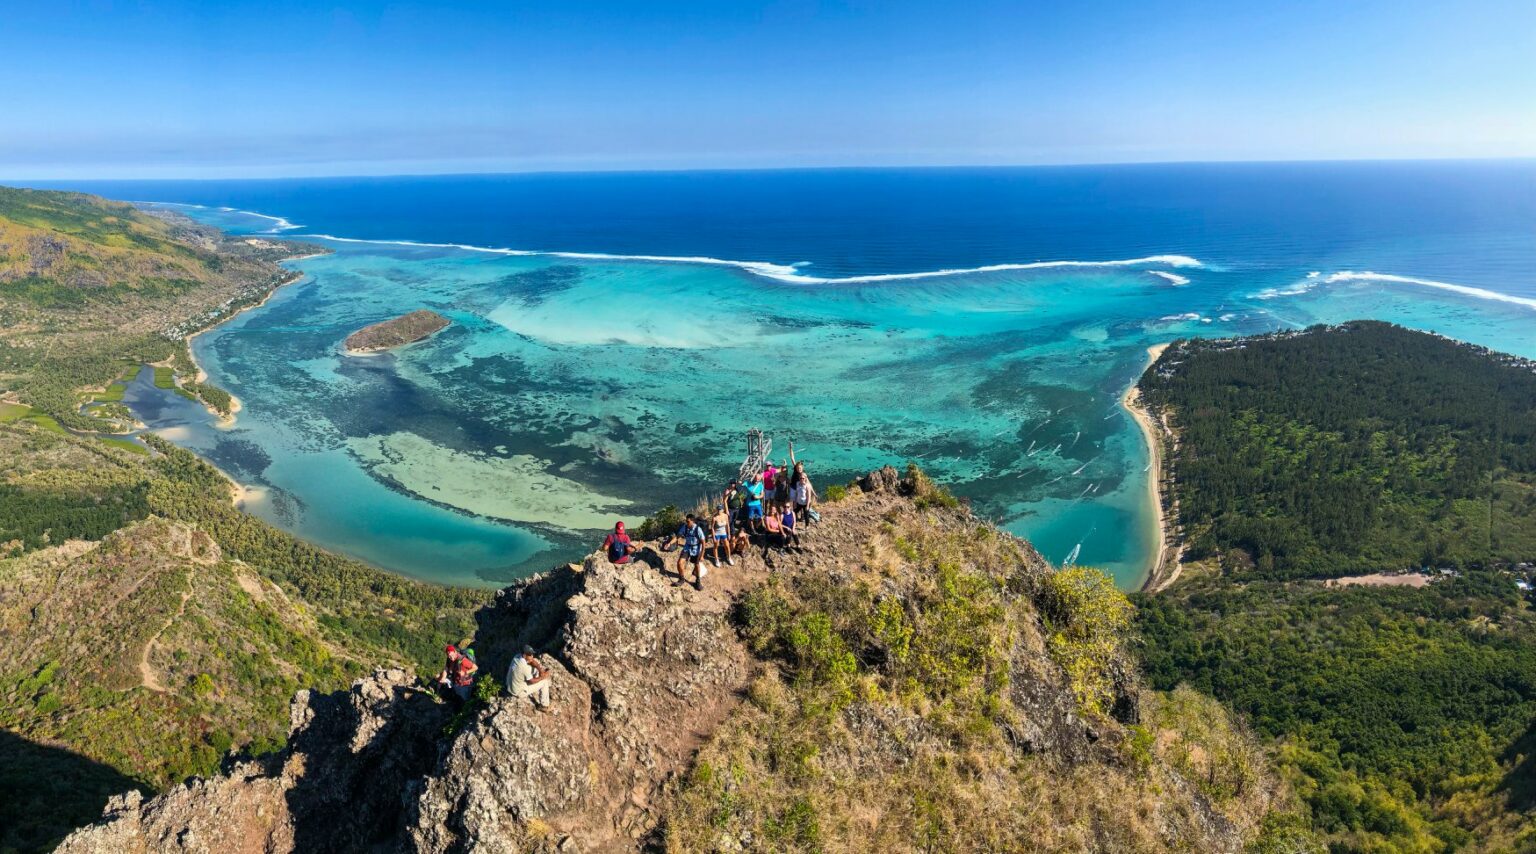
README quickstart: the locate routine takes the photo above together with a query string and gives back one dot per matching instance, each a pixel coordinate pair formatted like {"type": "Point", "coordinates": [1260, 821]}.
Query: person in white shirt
{"type": "Point", "coordinates": [527, 678]}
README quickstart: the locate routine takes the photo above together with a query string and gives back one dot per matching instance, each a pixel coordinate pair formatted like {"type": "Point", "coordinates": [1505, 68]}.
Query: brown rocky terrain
{"type": "Point", "coordinates": [402, 330]}
{"type": "Point", "coordinates": [660, 689]}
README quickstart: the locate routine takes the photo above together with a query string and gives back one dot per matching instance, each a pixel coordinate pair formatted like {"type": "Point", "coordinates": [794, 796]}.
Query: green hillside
{"type": "Point", "coordinates": [1400, 710]}
{"type": "Point", "coordinates": [147, 628]}
{"type": "Point", "coordinates": [91, 289]}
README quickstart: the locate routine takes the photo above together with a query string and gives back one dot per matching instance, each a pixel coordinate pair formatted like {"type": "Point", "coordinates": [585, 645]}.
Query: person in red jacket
{"type": "Point", "coordinates": [618, 546]}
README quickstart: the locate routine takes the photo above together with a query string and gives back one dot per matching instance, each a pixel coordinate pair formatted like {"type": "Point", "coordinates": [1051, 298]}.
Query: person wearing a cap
{"type": "Point", "coordinates": [458, 673]}
{"type": "Point", "coordinates": [528, 679]}
{"type": "Point", "coordinates": [617, 545]}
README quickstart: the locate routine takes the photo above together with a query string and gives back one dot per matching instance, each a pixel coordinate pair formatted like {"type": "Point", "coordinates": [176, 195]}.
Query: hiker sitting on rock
{"type": "Point", "coordinates": [458, 674]}
{"type": "Point", "coordinates": [618, 546]}
{"type": "Point", "coordinates": [527, 678]}
{"type": "Point", "coordinates": [789, 529]}
{"type": "Point", "coordinates": [773, 536]}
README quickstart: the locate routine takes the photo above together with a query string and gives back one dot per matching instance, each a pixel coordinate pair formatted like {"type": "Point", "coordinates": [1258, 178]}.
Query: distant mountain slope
{"type": "Point", "coordinates": [90, 289]}
{"type": "Point", "coordinates": [1347, 450]}
{"type": "Point", "coordinates": [65, 249]}
{"type": "Point", "coordinates": [146, 626]}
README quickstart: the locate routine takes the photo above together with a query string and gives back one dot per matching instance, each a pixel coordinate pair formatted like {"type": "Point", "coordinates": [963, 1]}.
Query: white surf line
{"type": "Point", "coordinates": [780, 272]}
{"type": "Point", "coordinates": [1173, 278]}
{"type": "Point", "coordinates": [1316, 278]}
{"type": "Point", "coordinates": [1466, 290]}
{"type": "Point", "coordinates": [280, 223]}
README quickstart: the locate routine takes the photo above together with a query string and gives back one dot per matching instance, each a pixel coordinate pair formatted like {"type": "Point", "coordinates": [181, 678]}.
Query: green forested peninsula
{"type": "Point", "coordinates": [1339, 451]}
{"type": "Point", "coordinates": [1404, 712]}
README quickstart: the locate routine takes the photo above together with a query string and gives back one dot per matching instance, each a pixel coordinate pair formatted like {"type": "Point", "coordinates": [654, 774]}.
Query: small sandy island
{"type": "Point", "coordinates": [1165, 564]}
{"type": "Point", "coordinates": [405, 329]}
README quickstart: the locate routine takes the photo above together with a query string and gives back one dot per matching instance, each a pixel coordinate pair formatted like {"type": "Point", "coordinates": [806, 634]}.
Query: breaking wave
{"type": "Point", "coordinates": [1314, 279]}
{"type": "Point", "coordinates": [788, 273]}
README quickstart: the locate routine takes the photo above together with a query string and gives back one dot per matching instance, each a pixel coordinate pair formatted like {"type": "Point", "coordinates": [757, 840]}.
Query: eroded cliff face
{"type": "Point", "coordinates": [646, 674]}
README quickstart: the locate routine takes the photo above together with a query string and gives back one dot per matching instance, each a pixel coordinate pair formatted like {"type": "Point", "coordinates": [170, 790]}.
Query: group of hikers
{"type": "Point", "coordinates": [526, 679]}
{"type": "Point", "coordinates": [771, 507]}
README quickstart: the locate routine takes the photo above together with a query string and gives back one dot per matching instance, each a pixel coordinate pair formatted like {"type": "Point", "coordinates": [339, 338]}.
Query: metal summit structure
{"type": "Point", "coordinates": [759, 446]}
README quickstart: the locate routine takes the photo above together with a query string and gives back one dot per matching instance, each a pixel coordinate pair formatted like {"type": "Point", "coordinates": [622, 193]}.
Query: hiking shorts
{"type": "Point", "coordinates": [754, 511]}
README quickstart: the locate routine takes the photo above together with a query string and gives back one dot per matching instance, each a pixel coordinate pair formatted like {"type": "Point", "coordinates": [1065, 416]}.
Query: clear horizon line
{"type": "Point", "coordinates": [663, 170]}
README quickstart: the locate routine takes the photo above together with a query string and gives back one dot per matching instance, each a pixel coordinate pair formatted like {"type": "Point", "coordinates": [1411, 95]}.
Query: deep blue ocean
{"type": "Point", "coordinates": [983, 322]}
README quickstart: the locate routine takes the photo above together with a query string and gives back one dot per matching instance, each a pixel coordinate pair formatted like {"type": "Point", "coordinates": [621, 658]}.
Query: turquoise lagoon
{"type": "Point", "coordinates": [575, 389]}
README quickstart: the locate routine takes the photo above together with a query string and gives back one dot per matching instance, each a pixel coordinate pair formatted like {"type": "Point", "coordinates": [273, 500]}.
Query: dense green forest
{"type": "Point", "coordinates": [1347, 450]}
{"type": "Point", "coordinates": [1404, 715]}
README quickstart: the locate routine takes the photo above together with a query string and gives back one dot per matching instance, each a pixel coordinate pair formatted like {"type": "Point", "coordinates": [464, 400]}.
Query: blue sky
{"type": "Point", "coordinates": [162, 89]}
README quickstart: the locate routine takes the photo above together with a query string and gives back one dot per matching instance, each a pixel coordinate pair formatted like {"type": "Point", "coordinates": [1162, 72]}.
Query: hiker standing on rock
{"type": "Point", "coordinates": [754, 490]}
{"type": "Point", "coordinates": [722, 540]}
{"type": "Point", "coordinates": [692, 537]}
{"type": "Point", "coordinates": [528, 679]}
{"type": "Point", "coordinates": [801, 493]}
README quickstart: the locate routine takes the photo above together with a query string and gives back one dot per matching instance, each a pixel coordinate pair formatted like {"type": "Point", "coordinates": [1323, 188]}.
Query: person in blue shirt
{"type": "Point", "coordinates": [754, 490]}
{"type": "Point", "coordinates": [692, 538]}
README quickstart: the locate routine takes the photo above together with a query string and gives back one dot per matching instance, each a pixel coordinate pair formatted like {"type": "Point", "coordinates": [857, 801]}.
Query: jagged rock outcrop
{"type": "Point", "coordinates": [642, 672]}
{"type": "Point", "coordinates": [336, 787]}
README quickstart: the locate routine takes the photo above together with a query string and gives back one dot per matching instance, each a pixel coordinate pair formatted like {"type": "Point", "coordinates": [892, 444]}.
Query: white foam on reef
{"type": "Point", "coordinates": [1293, 290]}
{"type": "Point", "coordinates": [278, 223]}
{"type": "Point", "coordinates": [787, 273]}
{"type": "Point", "coordinates": [1466, 290]}
{"type": "Point", "coordinates": [1314, 279]}
{"type": "Point", "coordinates": [1173, 278]}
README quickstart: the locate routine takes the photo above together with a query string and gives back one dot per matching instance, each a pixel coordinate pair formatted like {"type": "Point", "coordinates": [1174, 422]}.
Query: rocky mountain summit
{"type": "Point", "coordinates": [911, 678]}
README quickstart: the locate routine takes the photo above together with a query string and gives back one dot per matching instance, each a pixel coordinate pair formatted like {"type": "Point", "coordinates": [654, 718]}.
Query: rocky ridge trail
{"type": "Point", "coordinates": [645, 673]}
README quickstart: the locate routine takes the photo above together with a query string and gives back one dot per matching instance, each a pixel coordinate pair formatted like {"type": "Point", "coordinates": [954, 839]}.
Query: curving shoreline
{"type": "Point", "coordinates": [228, 420]}
{"type": "Point", "coordinates": [1165, 562]}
